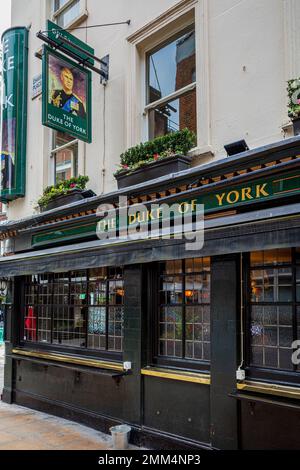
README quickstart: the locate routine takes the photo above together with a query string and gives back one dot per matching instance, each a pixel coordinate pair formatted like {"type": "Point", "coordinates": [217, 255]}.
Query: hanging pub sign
{"type": "Point", "coordinates": [14, 113]}
{"type": "Point", "coordinates": [66, 95]}
{"type": "Point", "coordinates": [55, 33]}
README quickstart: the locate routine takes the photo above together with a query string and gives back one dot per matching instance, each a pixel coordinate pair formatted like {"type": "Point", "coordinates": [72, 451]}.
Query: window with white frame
{"type": "Point", "coordinates": [65, 154]}
{"type": "Point", "coordinates": [66, 11]}
{"type": "Point", "coordinates": [171, 85]}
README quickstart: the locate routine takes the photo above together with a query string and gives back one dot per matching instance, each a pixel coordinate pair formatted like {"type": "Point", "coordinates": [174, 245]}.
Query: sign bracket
{"type": "Point", "coordinates": [103, 71]}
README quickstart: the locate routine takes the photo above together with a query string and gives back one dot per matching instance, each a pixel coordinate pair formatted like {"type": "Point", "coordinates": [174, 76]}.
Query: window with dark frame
{"type": "Point", "coordinates": [184, 311]}
{"type": "Point", "coordinates": [274, 308]}
{"type": "Point", "coordinates": [80, 309]}
{"type": "Point", "coordinates": [171, 85]}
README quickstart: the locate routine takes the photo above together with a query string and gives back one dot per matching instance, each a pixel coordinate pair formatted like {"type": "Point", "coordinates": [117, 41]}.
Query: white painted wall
{"type": "Point", "coordinates": [251, 50]}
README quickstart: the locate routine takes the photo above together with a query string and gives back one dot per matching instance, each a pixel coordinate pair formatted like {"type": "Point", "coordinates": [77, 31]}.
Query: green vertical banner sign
{"type": "Point", "coordinates": [14, 113]}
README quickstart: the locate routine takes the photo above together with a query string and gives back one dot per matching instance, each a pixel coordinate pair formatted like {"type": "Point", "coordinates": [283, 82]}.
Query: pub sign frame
{"type": "Point", "coordinates": [72, 116]}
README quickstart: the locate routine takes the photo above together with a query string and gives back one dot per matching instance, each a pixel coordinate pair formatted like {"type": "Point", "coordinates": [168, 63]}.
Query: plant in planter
{"type": "Point", "coordinates": [64, 192]}
{"type": "Point", "coordinates": [161, 156]}
{"type": "Point", "coordinates": [294, 103]}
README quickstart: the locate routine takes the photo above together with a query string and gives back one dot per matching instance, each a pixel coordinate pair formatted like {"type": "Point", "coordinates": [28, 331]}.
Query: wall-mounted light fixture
{"type": "Point", "coordinates": [236, 147]}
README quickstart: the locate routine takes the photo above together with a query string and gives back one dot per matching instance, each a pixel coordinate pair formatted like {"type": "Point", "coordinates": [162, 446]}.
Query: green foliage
{"type": "Point", "coordinates": [63, 187]}
{"type": "Point", "coordinates": [168, 145]}
{"type": "Point", "coordinates": [293, 90]}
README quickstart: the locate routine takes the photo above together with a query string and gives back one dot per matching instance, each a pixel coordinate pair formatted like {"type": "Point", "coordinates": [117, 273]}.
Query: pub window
{"type": "Point", "coordinates": [66, 11]}
{"type": "Point", "coordinates": [183, 327]}
{"type": "Point", "coordinates": [65, 154]}
{"type": "Point", "coordinates": [171, 85]}
{"type": "Point", "coordinates": [274, 308]}
{"type": "Point", "coordinates": [80, 309]}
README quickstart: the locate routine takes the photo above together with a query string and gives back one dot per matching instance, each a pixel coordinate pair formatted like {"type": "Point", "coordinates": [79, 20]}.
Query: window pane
{"type": "Point", "coordinates": [61, 138]}
{"type": "Point", "coordinates": [69, 326]}
{"type": "Point", "coordinates": [115, 328]}
{"type": "Point", "coordinates": [185, 295]}
{"type": "Point", "coordinates": [271, 285]}
{"type": "Point", "coordinates": [59, 3]}
{"type": "Point", "coordinates": [272, 309]}
{"type": "Point", "coordinates": [30, 324]}
{"type": "Point", "coordinates": [66, 163]}
{"type": "Point", "coordinates": [44, 310]}
{"type": "Point", "coordinates": [69, 14]}
{"type": "Point", "coordinates": [174, 116]}
{"type": "Point", "coordinates": [172, 67]}
{"type": "Point", "coordinates": [271, 257]}
{"type": "Point", "coordinates": [171, 267]}
{"type": "Point", "coordinates": [170, 331]}
{"type": "Point", "coordinates": [71, 309]}
{"type": "Point", "coordinates": [106, 288]}
{"type": "Point", "coordinates": [97, 328]}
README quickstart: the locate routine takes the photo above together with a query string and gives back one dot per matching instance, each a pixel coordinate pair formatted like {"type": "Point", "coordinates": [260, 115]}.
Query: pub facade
{"type": "Point", "coordinates": [194, 349]}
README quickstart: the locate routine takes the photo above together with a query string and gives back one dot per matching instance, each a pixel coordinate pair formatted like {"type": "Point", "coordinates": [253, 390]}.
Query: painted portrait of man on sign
{"type": "Point", "coordinates": [67, 88]}
{"type": "Point", "coordinates": [67, 101]}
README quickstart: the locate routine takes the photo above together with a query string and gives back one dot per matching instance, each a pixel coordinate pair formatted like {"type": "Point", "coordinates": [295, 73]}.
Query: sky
{"type": "Point", "coordinates": [5, 15]}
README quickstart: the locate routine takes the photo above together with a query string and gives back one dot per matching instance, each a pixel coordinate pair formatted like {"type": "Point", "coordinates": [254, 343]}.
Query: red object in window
{"type": "Point", "coordinates": [30, 325]}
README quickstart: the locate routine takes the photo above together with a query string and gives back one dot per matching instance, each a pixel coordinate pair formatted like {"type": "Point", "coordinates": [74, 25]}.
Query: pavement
{"type": "Point", "coordinates": [25, 429]}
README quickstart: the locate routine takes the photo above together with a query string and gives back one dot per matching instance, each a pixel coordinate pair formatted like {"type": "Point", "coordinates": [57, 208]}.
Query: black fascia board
{"type": "Point", "coordinates": [171, 198]}
{"type": "Point", "coordinates": [258, 156]}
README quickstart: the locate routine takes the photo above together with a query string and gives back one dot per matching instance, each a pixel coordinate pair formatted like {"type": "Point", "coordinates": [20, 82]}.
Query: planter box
{"type": "Point", "coordinates": [296, 126]}
{"type": "Point", "coordinates": [154, 170]}
{"type": "Point", "coordinates": [65, 199]}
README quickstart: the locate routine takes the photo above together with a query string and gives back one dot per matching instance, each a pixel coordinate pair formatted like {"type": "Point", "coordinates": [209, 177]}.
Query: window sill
{"type": "Point", "coordinates": [270, 389]}
{"type": "Point", "coordinates": [201, 155]}
{"type": "Point", "coordinates": [287, 129]}
{"type": "Point", "coordinates": [69, 359]}
{"type": "Point", "coordinates": [182, 376]}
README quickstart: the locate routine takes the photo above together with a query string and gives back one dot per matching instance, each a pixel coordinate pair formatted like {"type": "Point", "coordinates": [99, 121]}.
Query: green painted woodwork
{"type": "Point", "coordinates": [64, 234]}
{"type": "Point", "coordinates": [54, 32]}
{"type": "Point", "coordinates": [249, 193]}
{"type": "Point", "coordinates": [267, 189]}
{"type": "Point", "coordinates": [14, 113]}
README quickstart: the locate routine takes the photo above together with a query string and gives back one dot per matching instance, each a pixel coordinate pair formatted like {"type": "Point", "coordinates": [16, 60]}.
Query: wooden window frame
{"type": "Point", "coordinates": [268, 374]}
{"type": "Point", "coordinates": [153, 327]}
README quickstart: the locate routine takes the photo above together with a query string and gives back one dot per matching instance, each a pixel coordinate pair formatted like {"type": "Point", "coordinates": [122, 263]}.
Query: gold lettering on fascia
{"type": "Point", "coordinates": [242, 195]}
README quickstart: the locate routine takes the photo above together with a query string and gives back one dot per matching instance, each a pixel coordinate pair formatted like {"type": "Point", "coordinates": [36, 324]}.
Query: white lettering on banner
{"type": "Point", "coordinates": [7, 101]}
{"type": "Point", "coordinates": [8, 64]}
{"type": "Point", "coordinates": [6, 46]}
